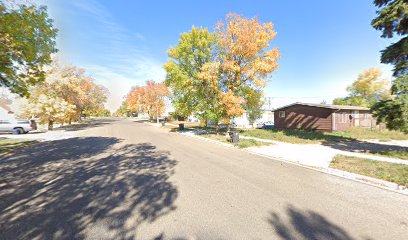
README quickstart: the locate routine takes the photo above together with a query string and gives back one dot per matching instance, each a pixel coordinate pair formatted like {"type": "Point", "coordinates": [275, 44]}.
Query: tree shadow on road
{"type": "Point", "coordinates": [90, 187]}
{"type": "Point", "coordinates": [305, 225]}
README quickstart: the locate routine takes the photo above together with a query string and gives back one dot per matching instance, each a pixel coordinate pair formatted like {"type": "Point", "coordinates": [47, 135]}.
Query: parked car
{"type": "Point", "coordinates": [265, 125]}
{"type": "Point", "coordinates": [259, 125]}
{"type": "Point", "coordinates": [18, 126]}
{"type": "Point", "coordinates": [268, 125]}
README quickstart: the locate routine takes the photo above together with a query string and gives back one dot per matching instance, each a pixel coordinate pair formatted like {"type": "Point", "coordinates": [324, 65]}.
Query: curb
{"type": "Point", "coordinates": [382, 184]}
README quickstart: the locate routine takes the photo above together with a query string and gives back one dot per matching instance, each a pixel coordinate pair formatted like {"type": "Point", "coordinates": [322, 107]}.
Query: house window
{"type": "Point", "coordinates": [343, 117]}
{"type": "Point", "coordinates": [281, 114]}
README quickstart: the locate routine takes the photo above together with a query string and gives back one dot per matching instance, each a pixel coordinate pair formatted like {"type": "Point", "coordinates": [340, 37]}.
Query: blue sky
{"type": "Point", "coordinates": [324, 44]}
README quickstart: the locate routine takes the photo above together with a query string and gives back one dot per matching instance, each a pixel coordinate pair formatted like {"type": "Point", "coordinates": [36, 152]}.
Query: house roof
{"type": "Point", "coordinates": [329, 106]}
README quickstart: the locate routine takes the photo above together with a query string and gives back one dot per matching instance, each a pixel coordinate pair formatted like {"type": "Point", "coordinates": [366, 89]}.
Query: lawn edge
{"type": "Point", "coordinates": [17, 150]}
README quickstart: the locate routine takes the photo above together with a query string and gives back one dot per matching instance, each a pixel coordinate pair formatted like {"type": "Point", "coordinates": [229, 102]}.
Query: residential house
{"type": "Point", "coordinates": [322, 117]}
{"type": "Point", "coordinates": [5, 111]}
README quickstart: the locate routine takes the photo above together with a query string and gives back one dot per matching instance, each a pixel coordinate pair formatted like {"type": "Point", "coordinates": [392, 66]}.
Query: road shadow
{"type": "Point", "coordinates": [305, 225]}
{"type": "Point", "coordinates": [90, 187]}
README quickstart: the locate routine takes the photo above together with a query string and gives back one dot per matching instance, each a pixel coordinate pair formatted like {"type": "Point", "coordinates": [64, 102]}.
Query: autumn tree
{"type": "Point", "coordinates": [135, 99]}
{"type": "Point", "coordinates": [74, 86]}
{"type": "Point", "coordinates": [392, 20]}
{"type": "Point", "coordinates": [67, 93]}
{"type": "Point", "coordinates": [366, 90]}
{"type": "Point", "coordinates": [244, 61]}
{"type": "Point", "coordinates": [49, 109]}
{"type": "Point", "coordinates": [123, 110]}
{"type": "Point", "coordinates": [148, 99]}
{"type": "Point", "coordinates": [27, 40]}
{"type": "Point", "coordinates": [190, 94]}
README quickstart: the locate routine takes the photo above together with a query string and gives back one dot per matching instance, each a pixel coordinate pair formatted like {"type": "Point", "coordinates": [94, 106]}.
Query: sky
{"type": "Point", "coordinates": [122, 43]}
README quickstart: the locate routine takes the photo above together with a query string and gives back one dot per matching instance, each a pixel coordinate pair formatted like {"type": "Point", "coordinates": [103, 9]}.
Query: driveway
{"type": "Point", "coordinates": [125, 180]}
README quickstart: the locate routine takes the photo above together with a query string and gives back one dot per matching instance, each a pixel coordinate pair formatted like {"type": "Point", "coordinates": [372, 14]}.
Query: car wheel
{"type": "Point", "coordinates": [19, 131]}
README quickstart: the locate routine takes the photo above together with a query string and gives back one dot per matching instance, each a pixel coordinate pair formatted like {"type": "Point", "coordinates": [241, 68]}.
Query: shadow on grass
{"type": "Point", "coordinates": [91, 187]}
{"type": "Point", "coordinates": [361, 146]}
{"type": "Point", "coordinates": [306, 135]}
{"type": "Point", "coordinates": [7, 145]}
{"type": "Point", "coordinates": [305, 225]}
{"type": "Point", "coordinates": [332, 141]}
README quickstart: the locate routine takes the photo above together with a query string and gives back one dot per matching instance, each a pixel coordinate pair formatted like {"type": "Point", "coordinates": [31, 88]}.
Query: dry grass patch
{"type": "Point", "coordinates": [8, 145]}
{"type": "Point", "coordinates": [392, 172]}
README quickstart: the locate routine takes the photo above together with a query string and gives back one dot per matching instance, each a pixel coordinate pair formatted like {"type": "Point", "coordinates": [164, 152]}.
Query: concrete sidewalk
{"type": "Point", "coordinates": [315, 155]}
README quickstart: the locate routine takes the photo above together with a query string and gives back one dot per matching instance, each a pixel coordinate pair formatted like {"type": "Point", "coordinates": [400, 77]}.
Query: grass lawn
{"type": "Point", "coordinates": [392, 172]}
{"type": "Point", "coordinates": [393, 154]}
{"type": "Point", "coordinates": [7, 145]}
{"type": "Point", "coordinates": [292, 136]}
{"type": "Point", "coordinates": [309, 137]}
{"type": "Point", "coordinates": [366, 133]}
{"type": "Point", "coordinates": [243, 143]}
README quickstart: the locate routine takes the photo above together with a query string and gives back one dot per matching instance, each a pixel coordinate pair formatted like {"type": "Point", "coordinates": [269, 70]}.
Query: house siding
{"type": "Point", "coordinates": [344, 122]}
{"type": "Point", "coordinates": [305, 117]}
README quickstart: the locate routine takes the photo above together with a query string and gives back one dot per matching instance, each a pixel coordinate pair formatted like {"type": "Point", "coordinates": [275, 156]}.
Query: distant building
{"type": "Point", "coordinates": [242, 121]}
{"type": "Point", "coordinates": [5, 111]}
{"type": "Point", "coordinates": [322, 117]}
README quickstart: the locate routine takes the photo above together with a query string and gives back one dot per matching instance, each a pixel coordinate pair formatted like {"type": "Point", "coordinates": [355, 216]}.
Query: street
{"type": "Point", "coordinates": [121, 179]}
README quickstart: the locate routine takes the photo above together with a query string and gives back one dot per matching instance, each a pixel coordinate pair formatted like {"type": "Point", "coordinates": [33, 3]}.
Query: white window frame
{"type": "Point", "coordinates": [282, 114]}
{"type": "Point", "coordinates": [343, 117]}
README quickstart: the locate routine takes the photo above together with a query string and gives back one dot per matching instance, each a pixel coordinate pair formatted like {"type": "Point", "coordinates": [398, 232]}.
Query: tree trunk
{"type": "Point", "coordinates": [228, 127]}
{"type": "Point", "coordinates": [157, 117]}
{"type": "Point", "coordinates": [50, 125]}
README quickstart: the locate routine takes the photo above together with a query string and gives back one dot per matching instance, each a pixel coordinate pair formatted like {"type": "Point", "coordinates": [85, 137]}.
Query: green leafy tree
{"type": "Point", "coordinates": [392, 20]}
{"type": "Point", "coordinates": [394, 112]}
{"type": "Point", "coordinates": [254, 103]}
{"type": "Point", "coordinates": [27, 40]}
{"type": "Point", "coordinates": [191, 94]}
{"type": "Point", "coordinates": [366, 90]}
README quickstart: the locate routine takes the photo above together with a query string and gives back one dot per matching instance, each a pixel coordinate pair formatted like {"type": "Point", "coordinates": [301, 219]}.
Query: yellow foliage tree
{"type": "Point", "coordinates": [244, 61]}
{"type": "Point", "coordinates": [148, 99]}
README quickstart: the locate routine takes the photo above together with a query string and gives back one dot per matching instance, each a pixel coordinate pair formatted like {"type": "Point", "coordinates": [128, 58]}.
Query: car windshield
{"type": "Point", "coordinates": [23, 121]}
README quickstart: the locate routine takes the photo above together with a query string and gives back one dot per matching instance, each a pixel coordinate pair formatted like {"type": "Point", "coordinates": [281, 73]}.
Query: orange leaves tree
{"type": "Point", "coordinates": [148, 99]}
{"type": "Point", "coordinates": [243, 63]}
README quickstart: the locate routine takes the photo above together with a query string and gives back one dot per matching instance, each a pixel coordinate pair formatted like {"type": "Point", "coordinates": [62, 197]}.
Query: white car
{"type": "Point", "coordinates": [17, 126]}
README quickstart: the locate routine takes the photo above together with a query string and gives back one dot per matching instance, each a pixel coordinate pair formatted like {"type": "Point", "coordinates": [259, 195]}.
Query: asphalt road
{"type": "Point", "coordinates": [127, 180]}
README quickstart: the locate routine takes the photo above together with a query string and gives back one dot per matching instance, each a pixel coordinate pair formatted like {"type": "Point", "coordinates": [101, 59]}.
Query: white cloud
{"type": "Point", "coordinates": [120, 63]}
